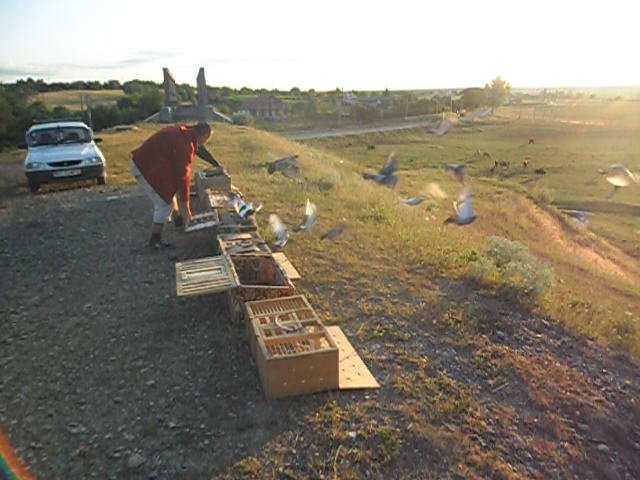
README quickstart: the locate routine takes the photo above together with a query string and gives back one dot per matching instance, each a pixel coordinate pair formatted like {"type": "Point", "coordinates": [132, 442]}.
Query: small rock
{"type": "Point", "coordinates": [604, 448]}
{"type": "Point", "coordinates": [135, 460]}
{"type": "Point", "coordinates": [583, 427]}
{"type": "Point", "coordinates": [636, 446]}
{"type": "Point", "coordinates": [352, 435]}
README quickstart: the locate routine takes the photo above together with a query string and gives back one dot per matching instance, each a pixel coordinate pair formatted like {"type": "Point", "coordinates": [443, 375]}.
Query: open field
{"type": "Point", "coordinates": [478, 380]}
{"type": "Point", "coordinates": [71, 98]}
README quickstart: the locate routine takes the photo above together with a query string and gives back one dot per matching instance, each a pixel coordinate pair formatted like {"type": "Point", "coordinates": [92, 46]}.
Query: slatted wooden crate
{"type": "Point", "coordinates": [260, 277]}
{"type": "Point", "coordinates": [280, 318]}
{"type": "Point", "coordinates": [298, 364]}
{"type": "Point", "coordinates": [203, 220]}
{"type": "Point", "coordinates": [205, 275]}
{"type": "Point", "coordinates": [231, 222]}
{"type": "Point", "coordinates": [212, 178]}
{"type": "Point", "coordinates": [246, 243]}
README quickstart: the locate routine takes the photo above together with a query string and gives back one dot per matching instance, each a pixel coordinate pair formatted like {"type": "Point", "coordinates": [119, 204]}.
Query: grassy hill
{"type": "Point", "coordinates": [71, 98]}
{"type": "Point", "coordinates": [479, 377]}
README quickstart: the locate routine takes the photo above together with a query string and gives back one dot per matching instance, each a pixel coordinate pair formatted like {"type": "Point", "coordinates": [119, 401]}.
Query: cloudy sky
{"type": "Point", "coordinates": [324, 45]}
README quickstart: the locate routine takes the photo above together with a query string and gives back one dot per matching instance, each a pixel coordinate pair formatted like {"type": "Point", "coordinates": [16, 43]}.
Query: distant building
{"type": "Point", "coordinates": [265, 107]}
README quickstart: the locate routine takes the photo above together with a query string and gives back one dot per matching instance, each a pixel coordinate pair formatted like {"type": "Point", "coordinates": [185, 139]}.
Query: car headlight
{"type": "Point", "coordinates": [94, 160]}
{"type": "Point", "coordinates": [35, 165]}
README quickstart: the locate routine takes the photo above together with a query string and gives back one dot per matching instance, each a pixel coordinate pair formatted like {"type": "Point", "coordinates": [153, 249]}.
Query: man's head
{"type": "Point", "coordinates": [203, 132]}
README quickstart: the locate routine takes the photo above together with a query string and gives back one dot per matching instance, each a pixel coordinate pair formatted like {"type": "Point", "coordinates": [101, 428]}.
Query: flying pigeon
{"type": "Point", "coordinates": [619, 176]}
{"type": "Point", "coordinates": [386, 174]}
{"type": "Point", "coordinates": [331, 234]}
{"type": "Point", "coordinates": [434, 191]}
{"type": "Point", "coordinates": [310, 216]}
{"type": "Point", "coordinates": [443, 127]}
{"type": "Point", "coordinates": [463, 208]}
{"type": "Point", "coordinates": [280, 231]}
{"type": "Point", "coordinates": [288, 166]}
{"type": "Point", "coordinates": [413, 201]}
{"type": "Point", "coordinates": [457, 169]}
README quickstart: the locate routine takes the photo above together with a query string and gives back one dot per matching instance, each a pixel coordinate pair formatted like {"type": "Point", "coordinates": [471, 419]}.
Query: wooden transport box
{"type": "Point", "coordinates": [280, 318]}
{"type": "Point", "coordinates": [215, 178]}
{"type": "Point", "coordinates": [246, 243]}
{"type": "Point", "coordinates": [260, 277]}
{"type": "Point", "coordinates": [298, 364]}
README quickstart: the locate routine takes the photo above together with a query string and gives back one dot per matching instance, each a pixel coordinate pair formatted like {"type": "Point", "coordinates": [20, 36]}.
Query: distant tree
{"type": "Point", "coordinates": [312, 108]}
{"type": "Point", "coordinates": [473, 98]}
{"type": "Point", "coordinates": [498, 92]}
{"type": "Point", "coordinates": [365, 113]}
{"type": "Point", "coordinates": [112, 85]}
{"type": "Point", "coordinates": [6, 113]}
{"type": "Point", "coordinates": [246, 91]}
{"type": "Point", "coordinates": [60, 111]}
{"type": "Point", "coordinates": [295, 91]}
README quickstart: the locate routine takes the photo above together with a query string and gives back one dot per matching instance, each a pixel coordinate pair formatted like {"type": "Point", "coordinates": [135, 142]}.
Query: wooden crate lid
{"type": "Point", "coordinates": [354, 374]}
{"type": "Point", "coordinates": [287, 266]}
{"type": "Point", "coordinates": [205, 275]}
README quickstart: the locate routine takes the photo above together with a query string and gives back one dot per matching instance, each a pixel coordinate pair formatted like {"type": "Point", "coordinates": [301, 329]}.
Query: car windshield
{"type": "Point", "coordinates": [58, 135]}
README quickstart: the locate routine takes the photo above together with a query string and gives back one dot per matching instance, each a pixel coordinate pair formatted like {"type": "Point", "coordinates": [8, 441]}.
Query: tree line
{"type": "Point", "coordinates": [19, 105]}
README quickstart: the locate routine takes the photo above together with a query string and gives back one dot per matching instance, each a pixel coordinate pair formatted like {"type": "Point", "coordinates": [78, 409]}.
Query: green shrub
{"type": "Point", "coordinates": [510, 266]}
{"type": "Point", "coordinates": [542, 195]}
{"type": "Point", "coordinates": [326, 181]}
{"type": "Point", "coordinates": [242, 118]}
{"type": "Point", "coordinates": [378, 214]}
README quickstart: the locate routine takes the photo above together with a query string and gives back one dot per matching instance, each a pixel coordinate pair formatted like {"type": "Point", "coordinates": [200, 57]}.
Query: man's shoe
{"type": "Point", "coordinates": [161, 244]}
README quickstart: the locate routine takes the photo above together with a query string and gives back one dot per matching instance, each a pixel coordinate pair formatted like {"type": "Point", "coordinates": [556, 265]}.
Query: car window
{"type": "Point", "coordinates": [55, 136]}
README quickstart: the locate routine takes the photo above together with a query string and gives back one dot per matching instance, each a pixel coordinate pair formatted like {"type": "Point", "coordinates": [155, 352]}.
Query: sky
{"type": "Point", "coordinates": [351, 45]}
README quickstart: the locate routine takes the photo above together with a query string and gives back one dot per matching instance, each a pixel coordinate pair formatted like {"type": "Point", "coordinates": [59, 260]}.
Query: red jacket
{"type": "Point", "coordinates": [165, 158]}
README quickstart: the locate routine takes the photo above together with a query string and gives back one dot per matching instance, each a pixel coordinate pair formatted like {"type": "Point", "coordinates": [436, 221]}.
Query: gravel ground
{"type": "Point", "coordinates": [104, 371]}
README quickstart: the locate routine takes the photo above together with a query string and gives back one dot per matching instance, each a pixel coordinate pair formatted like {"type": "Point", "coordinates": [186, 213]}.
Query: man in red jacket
{"type": "Point", "coordinates": [162, 167]}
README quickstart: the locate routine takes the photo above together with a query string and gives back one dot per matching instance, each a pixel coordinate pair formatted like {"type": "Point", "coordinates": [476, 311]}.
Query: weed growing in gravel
{"type": "Point", "coordinates": [509, 265]}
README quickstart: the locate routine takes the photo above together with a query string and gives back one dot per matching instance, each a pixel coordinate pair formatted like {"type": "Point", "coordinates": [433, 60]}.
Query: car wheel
{"type": "Point", "coordinates": [102, 180]}
{"type": "Point", "coordinates": [33, 186]}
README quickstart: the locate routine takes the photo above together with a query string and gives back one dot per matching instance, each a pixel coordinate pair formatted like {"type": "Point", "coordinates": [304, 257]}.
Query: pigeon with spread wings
{"type": "Point", "coordinates": [463, 208]}
{"type": "Point", "coordinates": [386, 174]}
{"type": "Point", "coordinates": [279, 230]}
{"type": "Point", "coordinates": [310, 217]}
{"type": "Point", "coordinates": [457, 169]}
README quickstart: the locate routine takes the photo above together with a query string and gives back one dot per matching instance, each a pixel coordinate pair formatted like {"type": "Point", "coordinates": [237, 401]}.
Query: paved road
{"type": "Point", "coordinates": [359, 131]}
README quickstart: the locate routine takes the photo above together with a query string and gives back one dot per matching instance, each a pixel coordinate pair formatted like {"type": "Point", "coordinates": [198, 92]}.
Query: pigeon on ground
{"type": "Point", "coordinates": [310, 216]}
{"type": "Point", "coordinates": [463, 208]}
{"type": "Point", "coordinates": [386, 175]}
{"type": "Point", "coordinates": [457, 169]}
{"type": "Point", "coordinates": [288, 166]}
{"type": "Point", "coordinates": [331, 234]}
{"type": "Point", "coordinates": [280, 231]}
{"type": "Point", "coordinates": [413, 201]}
{"type": "Point", "coordinates": [578, 216]}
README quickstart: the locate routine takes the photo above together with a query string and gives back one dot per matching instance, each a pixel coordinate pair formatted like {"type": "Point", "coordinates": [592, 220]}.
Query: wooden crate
{"type": "Point", "coordinates": [205, 275]}
{"type": "Point", "coordinates": [297, 365]}
{"type": "Point", "coordinates": [260, 277]}
{"type": "Point", "coordinates": [280, 318]}
{"type": "Point", "coordinates": [245, 243]}
{"type": "Point", "coordinates": [231, 222]}
{"type": "Point", "coordinates": [212, 178]}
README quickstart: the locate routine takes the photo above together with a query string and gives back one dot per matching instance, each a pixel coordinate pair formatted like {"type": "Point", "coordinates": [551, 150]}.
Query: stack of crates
{"type": "Point", "coordinates": [293, 349]}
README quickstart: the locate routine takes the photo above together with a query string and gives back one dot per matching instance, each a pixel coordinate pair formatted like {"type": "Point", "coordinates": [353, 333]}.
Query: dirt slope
{"type": "Point", "coordinates": [100, 361]}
